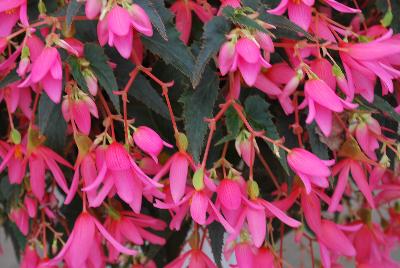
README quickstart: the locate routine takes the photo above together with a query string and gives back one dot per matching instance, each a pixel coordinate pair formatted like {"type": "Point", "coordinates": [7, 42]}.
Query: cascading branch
{"type": "Point", "coordinates": [200, 133]}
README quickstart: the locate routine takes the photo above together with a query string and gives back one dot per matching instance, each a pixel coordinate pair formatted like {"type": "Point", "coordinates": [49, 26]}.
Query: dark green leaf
{"type": "Point", "coordinates": [257, 111]}
{"type": "Point", "coordinates": [216, 233]}
{"type": "Point", "coordinates": [173, 51]}
{"type": "Point", "coordinates": [213, 37]}
{"type": "Point", "coordinates": [233, 125]}
{"type": "Point", "coordinates": [238, 18]}
{"type": "Point", "coordinates": [385, 107]}
{"type": "Point", "coordinates": [76, 72]}
{"type": "Point", "coordinates": [317, 147]}
{"type": "Point", "coordinates": [52, 123]}
{"type": "Point", "coordinates": [143, 91]}
{"type": "Point", "coordinates": [198, 105]}
{"type": "Point", "coordinates": [11, 77]}
{"type": "Point", "coordinates": [284, 27]}
{"type": "Point", "coordinates": [72, 10]}
{"type": "Point", "coordinates": [155, 18]}
{"type": "Point", "coordinates": [98, 62]}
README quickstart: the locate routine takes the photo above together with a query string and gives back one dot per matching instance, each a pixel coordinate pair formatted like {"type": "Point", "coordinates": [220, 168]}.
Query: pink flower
{"type": "Point", "coordinates": [77, 108]}
{"type": "Point", "coordinates": [196, 259]}
{"type": "Point", "coordinates": [130, 227]}
{"type": "Point", "coordinates": [31, 206]}
{"type": "Point", "coordinates": [183, 16]}
{"type": "Point", "coordinates": [245, 148]}
{"type": "Point", "coordinates": [47, 70]}
{"type": "Point", "coordinates": [117, 28]}
{"type": "Point", "coordinates": [229, 194]}
{"type": "Point", "coordinates": [30, 259]}
{"type": "Point", "coordinates": [93, 8]}
{"type": "Point", "coordinates": [309, 168]}
{"type": "Point", "coordinates": [83, 245]}
{"type": "Point", "coordinates": [21, 218]}
{"type": "Point", "coordinates": [322, 101]}
{"type": "Point", "coordinates": [17, 98]}
{"type": "Point", "coordinates": [116, 168]}
{"type": "Point", "coordinates": [343, 168]}
{"type": "Point", "coordinates": [149, 141]}
{"type": "Point", "coordinates": [178, 166]}
{"type": "Point", "coordinates": [244, 55]}
{"type": "Point", "coordinates": [10, 13]}
{"type": "Point", "coordinates": [13, 159]}
{"type": "Point", "coordinates": [299, 11]}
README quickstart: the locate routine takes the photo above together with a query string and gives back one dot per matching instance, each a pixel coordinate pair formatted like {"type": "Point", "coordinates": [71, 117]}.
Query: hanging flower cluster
{"type": "Point", "coordinates": [275, 120]}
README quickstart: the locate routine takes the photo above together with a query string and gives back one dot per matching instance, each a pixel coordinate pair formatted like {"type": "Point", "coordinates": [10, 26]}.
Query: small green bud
{"type": "Point", "coordinates": [15, 136]}
{"type": "Point", "coordinates": [25, 53]}
{"type": "Point", "coordinates": [198, 179]}
{"type": "Point", "coordinates": [182, 141]}
{"type": "Point", "coordinates": [387, 19]}
{"type": "Point", "coordinates": [42, 7]}
{"type": "Point", "coordinates": [252, 189]}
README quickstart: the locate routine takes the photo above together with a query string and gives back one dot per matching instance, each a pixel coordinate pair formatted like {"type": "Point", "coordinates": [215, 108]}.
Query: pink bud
{"type": "Point", "coordinates": [93, 8]}
{"type": "Point", "coordinates": [229, 194]}
{"type": "Point", "coordinates": [140, 20]}
{"type": "Point", "coordinates": [149, 141]}
{"type": "Point", "coordinates": [31, 206]}
{"type": "Point", "coordinates": [20, 217]}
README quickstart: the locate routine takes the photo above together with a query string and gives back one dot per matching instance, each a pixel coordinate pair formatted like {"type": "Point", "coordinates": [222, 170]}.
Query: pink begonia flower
{"type": "Point", "coordinates": [299, 11]}
{"type": "Point", "coordinates": [10, 12]}
{"type": "Point", "coordinates": [310, 169]}
{"type": "Point", "coordinates": [178, 166]}
{"type": "Point", "coordinates": [377, 252]}
{"type": "Point", "coordinates": [367, 130]}
{"type": "Point", "coordinates": [30, 258]}
{"type": "Point", "coordinates": [363, 62]}
{"type": "Point", "coordinates": [245, 56]}
{"type": "Point", "coordinates": [255, 212]}
{"type": "Point", "coordinates": [264, 258]}
{"type": "Point", "coordinates": [30, 204]}
{"type": "Point", "coordinates": [85, 232]}
{"type": "Point", "coordinates": [229, 194]}
{"type": "Point", "coordinates": [149, 141]}
{"type": "Point", "coordinates": [343, 168]}
{"type": "Point", "coordinates": [117, 27]}
{"type": "Point", "coordinates": [91, 81]}
{"type": "Point", "coordinates": [17, 98]}
{"type": "Point", "coordinates": [77, 108]}
{"type": "Point", "coordinates": [21, 218]}
{"type": "Point", "coordinates": [245, 148]}
{"type": "Point", "coordinates": [322, 101]}
{"type": "Point", "coordinates": [39, 158]}
{"type": "Point", "coordinates": [196, 257]}
{"type": "Point", "coordinates": [130, 227]}
{"type": "Point", "coordinates": [118, 170]}
{"type": "Point", "coordinates": [93, 8]}
{"type": "Point", "coordinates": [244, 253]}
{"type": "Point", "coordinates": [47, 70]}
{"type": "Point", "coordinates": [183, 16]}
{"type": "Point", "coordinates": [198, 201]}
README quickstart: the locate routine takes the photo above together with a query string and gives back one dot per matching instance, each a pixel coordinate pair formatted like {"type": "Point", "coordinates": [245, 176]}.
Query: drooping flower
{"type": "Point", "coordinates": [299, 11]}
{"type": "Point", "coordinates": [21, 218]}
{"type": "Point", "coordinates": [149, 141]}
{"type": "Point", "coordinates": [196, 257]}
{"type": "Point", "coordinates": [309, 168]}
{"type": "Point", "coordinates": [77, 108]}
{"type": "Point", "coordinates": [10, 13]}
{"type": "Point", "coordinates": [183, 15]}
{"type": "Point", "coordinates": [83, 244]}
{"type": "Point", "coordinates": [118, 26]}
{"type": "Point", "coordinates": [17, 98]}
{"type": "Point", "coordinates": [93, 8]}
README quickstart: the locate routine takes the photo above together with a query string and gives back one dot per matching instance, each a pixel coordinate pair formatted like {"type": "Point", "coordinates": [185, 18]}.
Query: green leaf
{"type": "Point", "coordinates": [98, 62]}
{"type": "Point", "coordinates": [151, 11]}
{"type": "Point", "coordinates": [317, 147]}
{"type": "Point", "coordinates": [51, 123]}
{"type": "Point", "coordinates": [11, 77]}
{"type": "Point", "coordinates": [259, 116]}
{"type": "Point", "coordinates": [284, 27]}
{"type": "Point", "coordinates": [72, 10]}
{"type": "Point", "coordinates": [76, 72]}
{"type": "Point", "coordinates": [233, 125]}
{"type": "Point", "coordinates": [216, 234]}
{"type": "Point", "coordinates": [197, 105]}
{"type": "Point", "coordinates": [384, 9]}
{"type": "Point", "coordinates": [238, 17]}
{"type": "Point", "coordinates": [385, 107]}
{"type": "Point", "coordinates": [142, 90]}
{"type": "Point", "coordinates": [173, 51]}
{"type": "Point", "coordinates": [213, 37]}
